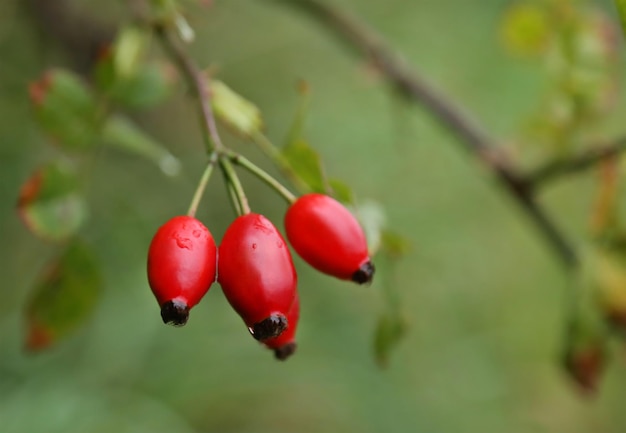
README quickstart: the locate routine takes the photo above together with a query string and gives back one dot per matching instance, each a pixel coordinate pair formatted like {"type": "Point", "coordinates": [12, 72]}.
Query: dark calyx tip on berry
{"type": "Point", "coordinates": [174, 313]}
{"type": "Point", "coordinates": [269, 327]}
{"type": "Point", "coordinates": [364, 274]}
{"type": "Point", "coordinates": [285, 351]}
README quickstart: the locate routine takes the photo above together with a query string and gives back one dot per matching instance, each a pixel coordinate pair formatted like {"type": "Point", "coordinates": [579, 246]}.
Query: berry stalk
{"type": "Point", "coordinates": [263, 176]}
{"type": "Point", "coordinates": [206, 175]}
{"type": "Point", "coordinates": [236, 192]}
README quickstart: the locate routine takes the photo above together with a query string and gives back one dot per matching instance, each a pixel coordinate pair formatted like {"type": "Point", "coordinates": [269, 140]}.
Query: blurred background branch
{"type": "Point", "coordinates": [81, 35]}
{"type": "Point", "coordinates": [470, 134]}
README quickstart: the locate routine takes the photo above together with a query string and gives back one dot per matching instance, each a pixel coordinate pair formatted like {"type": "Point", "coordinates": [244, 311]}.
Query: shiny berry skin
{"type": "Point", "coordinates": [285, 344]}
{"type": "Point", "coordinates": [181, 266]}
{"type": "Point", "coordinates": [257, 275]}
{"type": "Point", "coordinates": [329, 238]}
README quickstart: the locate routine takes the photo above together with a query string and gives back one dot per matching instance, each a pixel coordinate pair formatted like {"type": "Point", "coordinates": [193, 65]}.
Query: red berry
{"type": "Point", "coordinates": [181, 266]}
{"type": "Point", "coordinates": [329, 238]}
{"type": "Point", "coordinates": [285, 344]}
{"type": "Point", "coordinates": [257, 274]}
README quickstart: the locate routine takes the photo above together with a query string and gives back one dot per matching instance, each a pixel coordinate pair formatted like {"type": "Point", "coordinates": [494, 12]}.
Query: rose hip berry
{"type": "Point", "coordinates": [329, 238]}
{"type": "Point", "coordinates": [285, 344]}
{"type": "Point", "coordinates": [257, 275]}
{"type": "Point", "coordinates": [181, 267]}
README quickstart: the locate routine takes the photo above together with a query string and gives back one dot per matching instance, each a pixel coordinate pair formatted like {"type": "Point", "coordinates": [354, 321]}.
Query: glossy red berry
{"type": "Point", "coordinates": [285, 344]}
{"type": "Point", "coordinates": [181, 266]}
{"type": "Point", "coordinates": [329, 238]}
{"type": "Point", "coordinates": [257, 275]}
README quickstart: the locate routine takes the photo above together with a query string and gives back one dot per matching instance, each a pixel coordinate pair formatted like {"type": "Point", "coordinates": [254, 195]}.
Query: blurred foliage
{"type": "Point", "coordinates": [478, 303]}
{"type": "Point", "coordinates": [51, 204]}
{"type": "Point", "coordinates": [64, 298]}
{"type": "Point", "coordinates": [576, 44]}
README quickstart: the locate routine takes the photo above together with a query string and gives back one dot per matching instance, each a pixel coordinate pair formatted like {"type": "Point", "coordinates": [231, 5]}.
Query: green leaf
{"type": "Point", "coordinates": [237, 113]}
{"type": "Point", "coordinates": [585, 360]}
{"type": "Point", "coordinates": [185, 31]}
{"type": "Point", "coordinates": [124, 76]}
{"type": "Point", "coordinates": [64, 298]}
{"type": "Point", "coordinates": [394, 244]}
{"type": "Point", "coordinates": [588, 335]}
{"type": "Point", "coordinates": [586, 347]}
{"type": "Point", "coordinates": [526, 29]}
{"type": "Point", "coordinates": [390, 330]}
{"type": "Point", "coordinates": [306, 162]}
{"type": "Point", "coordinates": [151, 84]}
{"type": "Point", "coordinates": [66, 109]}
{"type": "Point", "coordinates": [372, 217]}
{"type": "Point", "coordinates": [51, 204]}
{"type": "Point", "coordinates": [129, 50]}
{"type": "Point", "coordinates": [621, 8]}
{"type": "Point", "coordinates": [123, 133]}
{"type": "Point", "coordinates": [341, 191]}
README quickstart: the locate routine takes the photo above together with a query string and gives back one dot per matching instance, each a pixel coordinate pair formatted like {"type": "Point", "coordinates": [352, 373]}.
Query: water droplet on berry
{"type": "Point", "coordinates": [184, 243]}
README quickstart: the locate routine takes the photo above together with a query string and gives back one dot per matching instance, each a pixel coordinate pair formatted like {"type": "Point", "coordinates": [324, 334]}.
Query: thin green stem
{"type": "Point", "coordinates": [277, 158]}
{"type": "Point", "coordinates": [232, 195]}
{"type": "Point", "coordinates": [262, 175]}
{"type": "Point", "coordinates": [240, 201]}
{"type": "Point", "coordinates": [206, 175]}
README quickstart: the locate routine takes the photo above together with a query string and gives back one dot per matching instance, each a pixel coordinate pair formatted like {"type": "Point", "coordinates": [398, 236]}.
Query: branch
{"type": "Point", "coordinates": [469, 134]}
{"type": "Point", "coordinates": [584, 161]}
{"type": "Point", "coordinates": [198, 83]}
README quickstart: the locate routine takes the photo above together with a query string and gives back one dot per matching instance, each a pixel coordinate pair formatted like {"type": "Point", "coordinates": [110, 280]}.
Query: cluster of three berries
{"type": "Point", "coordinates": [254, 266]}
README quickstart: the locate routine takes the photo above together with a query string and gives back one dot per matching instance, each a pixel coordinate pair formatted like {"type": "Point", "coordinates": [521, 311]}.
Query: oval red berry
{"type": "Point", "coordinates": [257, 275]}
{"type": "Point", "coordinates": [329, 238]}
{"type": "Point", "coordinates": [181, 266]}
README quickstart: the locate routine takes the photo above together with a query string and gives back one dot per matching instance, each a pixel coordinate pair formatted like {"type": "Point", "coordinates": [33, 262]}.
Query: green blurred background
{"type": "Point", "coordinates": [483, 297]}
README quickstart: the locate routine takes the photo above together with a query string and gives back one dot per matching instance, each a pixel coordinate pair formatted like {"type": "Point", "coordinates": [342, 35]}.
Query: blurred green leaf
{"type": "Point", "coordinates": [526, 29]}
{"type": "Point", "coordinates": [621, 7]}
{"type": "Point", "coordinates": [239, 114]}
{"type": "Point", "coordinates": [587, 337]}
{"type": "Point", "coordinates": [50, 202]}
{"type": "Point", "coordinates": [394, 243]}
{"type": "Point", "coordinates": [306, 162]}
{"type": "Point", "coordinates": [341, 191]}
{"type": "Point", "coordinates": [185, 31]}
{"type": "Point", "coordinates": [389, 332]}
{"type": "Point", "coordinates": [66, 109]}
{"type": "Point", "coordinates": [135, 82]}
{"type": "Point", "coordinates": [129, 50]}
{"type": "Point", "coordinates": [372, 217]}
{"type": "Point", "coordinates": [585, 361]}
{"type": "Point", "coordinates": [151, 84]}
{"type": "Point", "coordinates": [64, 298]}
{"type": "Point", "coordinates": [123, 133]}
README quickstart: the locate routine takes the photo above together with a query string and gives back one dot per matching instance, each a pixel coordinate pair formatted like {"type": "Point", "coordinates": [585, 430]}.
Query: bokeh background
{"type": "Point", "coordinates": [483, 297]}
